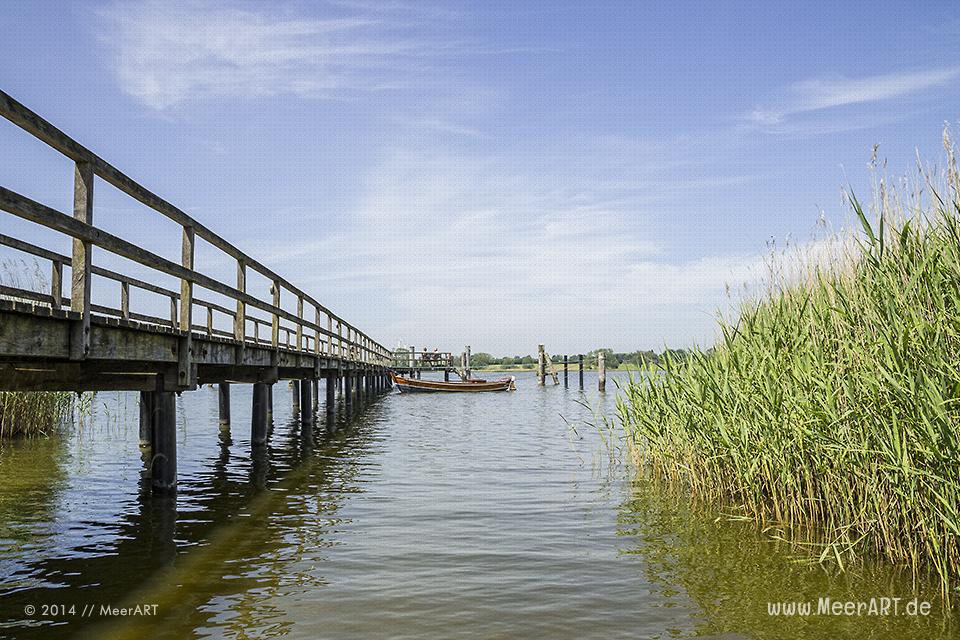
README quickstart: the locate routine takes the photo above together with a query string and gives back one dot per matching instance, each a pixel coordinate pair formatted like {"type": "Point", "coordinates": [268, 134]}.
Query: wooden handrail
{"type": "Point", "coordinates": [355, 344]}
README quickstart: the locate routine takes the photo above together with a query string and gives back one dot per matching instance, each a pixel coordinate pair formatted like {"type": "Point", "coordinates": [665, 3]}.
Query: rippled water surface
{"type": "Point", "coordinates": [499, 515]}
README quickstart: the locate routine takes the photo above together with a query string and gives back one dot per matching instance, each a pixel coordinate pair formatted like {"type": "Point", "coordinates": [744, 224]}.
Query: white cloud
{"type": "Point", "coordinates": [164, 54]}
{"type": "Point", "coordinates": [816, 94]}
{"type": "Point", "coordinates": [468, 248]}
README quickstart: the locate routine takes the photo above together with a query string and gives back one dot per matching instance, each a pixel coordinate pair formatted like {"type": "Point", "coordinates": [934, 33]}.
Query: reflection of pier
{"type": "Point", "coordinates": [50, 342]}
{"type": "Point", "coordinates": [283, 483]}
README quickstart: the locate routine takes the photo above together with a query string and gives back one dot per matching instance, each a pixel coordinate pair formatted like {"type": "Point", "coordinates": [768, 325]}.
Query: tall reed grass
{"type": "Point", "coordinates": [832, 404]}
{"type": "Point", "coordinates": [30, 413]}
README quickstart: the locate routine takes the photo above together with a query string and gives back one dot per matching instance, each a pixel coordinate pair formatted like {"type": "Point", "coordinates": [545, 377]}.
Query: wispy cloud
{"type": "Point", "coordinates": [164, 54]}
{"type": "Point", "coordinates": [471, 245]}
{"type": "Point", "coordinates": [817, 94]}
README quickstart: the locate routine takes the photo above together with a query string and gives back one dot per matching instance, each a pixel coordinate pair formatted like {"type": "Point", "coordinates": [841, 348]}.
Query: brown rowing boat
{"type": "Point", "coordinates": [410, 385]}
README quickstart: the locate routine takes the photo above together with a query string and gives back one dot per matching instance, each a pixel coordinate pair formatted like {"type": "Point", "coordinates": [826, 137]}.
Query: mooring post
{"type": "Point", "coordinates": [541, 365]}
{"type": "Point", "coordinates": [601, 371]}
{"type": "Point", "coordinates": [163, 467]}
{"type": "Point", "coordinates": [306, 402]}
{"type": "Point", "coordinates": [224, 397]}
{"type": "Point", "coordinates": [580, 361]}
{"type": "Point", "coordinates": [146, 419]}
{"type": "Point", "coordinates": [566, 366]}
{"type": "Point", "coordinates": [258, 426]}
{"type": "Point", "coordinates": [467, 367]}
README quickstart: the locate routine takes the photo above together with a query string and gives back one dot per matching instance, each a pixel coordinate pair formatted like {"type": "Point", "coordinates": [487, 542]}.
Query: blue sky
{"type": "Point", "coordinates": [579, 174]}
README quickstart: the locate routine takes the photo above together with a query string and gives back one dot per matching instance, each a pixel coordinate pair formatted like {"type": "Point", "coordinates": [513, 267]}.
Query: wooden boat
{"type": "Point", "coordinates": [410, 385]}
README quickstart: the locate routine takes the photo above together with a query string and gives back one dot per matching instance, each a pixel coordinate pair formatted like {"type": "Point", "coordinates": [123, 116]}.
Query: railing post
{"type": "Point", "coordinates": [82, 262]}
{"type": "Point", "coordinates": [56, 284]}
{"type": "Point", "coordinates": [240, 321]}
{"type": "Point", "coordinates": [300, 323]}
{"type": "Point", "coordinates": [329, 334]}
{"type": "Point", "coordinates": [173, 311]}
{"type": "Point", "coordinates": [316, 335]}
{"type": "Point", "coordinates": [125, 300]}
{"type": "Point", "coordinates": [184, 365]}
{"type": "Point", "coordinates": [275, 339]}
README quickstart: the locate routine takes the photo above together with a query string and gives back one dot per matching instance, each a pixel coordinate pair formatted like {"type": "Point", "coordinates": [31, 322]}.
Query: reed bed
{"type": "Point", "coordinates": [32, 413]}
{"type": "Point", "coordinates": [830, 407]}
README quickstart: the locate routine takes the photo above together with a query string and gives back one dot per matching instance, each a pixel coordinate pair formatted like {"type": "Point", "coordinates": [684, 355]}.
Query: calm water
{"type": "Point", "coordinates": [424, 516]}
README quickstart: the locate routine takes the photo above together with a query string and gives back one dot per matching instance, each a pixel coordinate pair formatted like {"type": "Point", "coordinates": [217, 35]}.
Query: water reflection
{"type": "Point", "coordinates": [730, 571]}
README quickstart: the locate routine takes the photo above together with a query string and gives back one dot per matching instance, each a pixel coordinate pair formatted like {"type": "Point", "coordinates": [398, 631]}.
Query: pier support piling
{"type": "Point", "coordinates": [223, 393]}
{"type": "Point", "coordinates": [146, 419]}
{"type": "Point", "coordinates": [163, 463]}
{"type": "Point", "coordinates": [306, 402]}
{"type": "Point", "coordinates": [331, 395]}
{"type": "Point", "coordinates": [580, 363]}
{"type": "Point", "coordinates": [258, 425]}
{"type": "Point", "coordinates": [566, 367]}
{"type": "Point", "coordinates": [295, 395]}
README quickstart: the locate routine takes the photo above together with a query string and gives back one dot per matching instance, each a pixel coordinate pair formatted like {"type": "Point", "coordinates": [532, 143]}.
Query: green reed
{"type": "Point", "coordinates": [32, 413]}
{"type": "Point", "coordinates": [832, 405]}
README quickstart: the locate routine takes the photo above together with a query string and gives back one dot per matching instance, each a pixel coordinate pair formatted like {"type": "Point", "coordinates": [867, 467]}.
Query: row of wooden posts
{"type": "Point", "coordinates": [545, 367]}
{"type": "Point", "coordinates": [158, 411]}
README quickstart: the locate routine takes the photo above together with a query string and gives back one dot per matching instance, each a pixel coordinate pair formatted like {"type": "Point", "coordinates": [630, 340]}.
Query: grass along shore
{"type": "Point", "coordinates": [831, 407]}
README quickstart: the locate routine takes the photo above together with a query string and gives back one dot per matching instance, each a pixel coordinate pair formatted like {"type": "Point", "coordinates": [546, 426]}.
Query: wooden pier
{"type": "Point", "coordinates": [52, 342]}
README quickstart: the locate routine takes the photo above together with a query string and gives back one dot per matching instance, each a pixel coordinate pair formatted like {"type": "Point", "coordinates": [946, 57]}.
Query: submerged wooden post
{"type": "Point", "coordinates": [601, 371]}
{"type": "Point", "coordinates": [541, 365]}
{"type": "Point", "coordinates": [580, 362]}
{"type": "Point", "coordinates": [306, 403]}
{"type": "Point", "coordinates": [146, 419]}
{"type": "Point", "coordinates": [331, 393]}
{"type": "Point", "coordinates": [270, 402]}
{"type": "Point", "coordinates": [81, 263]}
{"type": "Point", "coordinates": [348, 390]}
{"type": "Point", "coordinates": [224, 403]}
{"type": "Point", "coordinates": [566, 366]}
{"type": "Point", "coordinates": [258, 425]}
{"type": "Point", "coordinates": [163, 466]}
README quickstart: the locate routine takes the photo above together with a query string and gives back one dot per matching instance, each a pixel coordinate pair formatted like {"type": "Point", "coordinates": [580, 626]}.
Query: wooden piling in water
{"type": "Point", "coordinates": [601, 371]}
{"type": "Point", "coordinates": [258, 423]}
{"type": "Point", "coordinates": [348, 391]}
{"type": "Point", "coordinates": [306, 402]}
{"type": "Point", "coordinates": [270, 403]}
{"type": "Point", "coordinates": [163, 463]}
{"type": "Point", "coordinates": [331, 395]}
{"type": "Point", "coordinates": [541, 365]}
{"type": "Point", "coordinates": [566, 365]}
{"type": "Point", "coordinates": [295, 395]}
{"type": "Point", "coordinates": [580, 362]}
{"type": "Point", "coordinates": [315, 392]}
{"type": "Point", "coordinates": [223, 395]}
{"type": "Point", "coordinates": [146, 419]}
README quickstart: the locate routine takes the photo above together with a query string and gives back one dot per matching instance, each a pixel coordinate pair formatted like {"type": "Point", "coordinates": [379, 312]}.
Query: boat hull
{"type": "Point", "coordinates": [407, 385]}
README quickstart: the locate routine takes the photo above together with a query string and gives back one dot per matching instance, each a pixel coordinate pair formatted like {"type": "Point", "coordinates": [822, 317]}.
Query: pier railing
{"type": "Point", "coordinates": [414, 359]}
{"type": "Point", "coordinates": [313, 329]}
